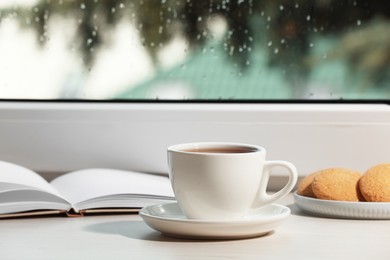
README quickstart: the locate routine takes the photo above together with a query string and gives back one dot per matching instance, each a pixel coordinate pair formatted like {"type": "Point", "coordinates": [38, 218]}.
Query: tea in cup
{"type": "Point", "coordinates": [223, 181]}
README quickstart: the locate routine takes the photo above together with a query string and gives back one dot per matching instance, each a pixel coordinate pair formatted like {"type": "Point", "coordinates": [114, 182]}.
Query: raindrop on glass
{"type": "Point", "coordinates": [231, 51]}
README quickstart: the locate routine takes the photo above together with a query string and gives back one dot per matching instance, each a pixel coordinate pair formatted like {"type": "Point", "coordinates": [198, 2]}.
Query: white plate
{"type": "Point", "coordinates": [169, 219]}
{"type": "Point", "coordinates": [343, 209]}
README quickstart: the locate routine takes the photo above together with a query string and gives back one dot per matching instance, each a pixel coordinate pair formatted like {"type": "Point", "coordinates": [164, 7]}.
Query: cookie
{"type": "Point", "coordinates": [304, 186]}
{"type": "Point", "coordinates": [375, 183]}
{"type": "Point", "coordinates": [337, 184]}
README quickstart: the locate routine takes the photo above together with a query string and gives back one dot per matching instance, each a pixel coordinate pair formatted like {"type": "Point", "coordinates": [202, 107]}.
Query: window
{"type": "Point", "coordinates": [268, 53]}
{"type": "Point", "coordinates": [183, 49]}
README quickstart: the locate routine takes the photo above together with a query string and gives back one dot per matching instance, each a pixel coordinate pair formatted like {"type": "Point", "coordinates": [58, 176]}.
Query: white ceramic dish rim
{"type": "Point", "coordinates": [361, 204]}
{"type": "Point", "coordinates": [284, 212]}
{"type": "Point", "coordinates": [343, 209]}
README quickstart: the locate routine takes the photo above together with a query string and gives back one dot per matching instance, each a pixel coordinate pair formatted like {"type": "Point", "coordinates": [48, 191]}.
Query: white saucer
{"type": "Point", "coordinates": [343, 209]}
{"type": "Point", "coordinates": [169, 219]}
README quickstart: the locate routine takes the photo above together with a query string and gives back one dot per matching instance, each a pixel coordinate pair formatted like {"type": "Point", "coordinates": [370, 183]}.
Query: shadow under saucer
{"type": "Point", "coordinates": [139, 230]}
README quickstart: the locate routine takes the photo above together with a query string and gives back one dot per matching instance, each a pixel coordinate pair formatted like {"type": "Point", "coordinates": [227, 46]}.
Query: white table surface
{"type": "Point", "coordinates": [128, 237]}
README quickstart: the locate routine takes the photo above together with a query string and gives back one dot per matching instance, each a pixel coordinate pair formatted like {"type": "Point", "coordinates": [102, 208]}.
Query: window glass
{"type": "Point", "coordinates": [188, 49]}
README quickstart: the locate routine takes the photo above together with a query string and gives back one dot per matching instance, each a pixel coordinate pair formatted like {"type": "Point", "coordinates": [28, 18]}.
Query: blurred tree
{"type": "Point", "coordinates": [286, 25]}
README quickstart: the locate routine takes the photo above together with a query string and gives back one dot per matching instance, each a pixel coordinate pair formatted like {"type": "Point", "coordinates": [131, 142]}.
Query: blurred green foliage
{"type": "Point", "coordinates": [287, 25]}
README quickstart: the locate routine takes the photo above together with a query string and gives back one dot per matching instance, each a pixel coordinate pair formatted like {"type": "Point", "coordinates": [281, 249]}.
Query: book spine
{"type": "Point", "coordinates": [74, 214]}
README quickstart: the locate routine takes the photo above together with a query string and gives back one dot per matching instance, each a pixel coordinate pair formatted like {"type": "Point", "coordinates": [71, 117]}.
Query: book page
{"type": "Point", "coordinates": [12, 175]}
{"type": "Point", "coordinates": [87, 184]}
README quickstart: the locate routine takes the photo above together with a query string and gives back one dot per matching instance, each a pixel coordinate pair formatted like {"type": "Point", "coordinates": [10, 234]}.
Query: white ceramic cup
{"type": "Point", "coordinates": [223, 181]}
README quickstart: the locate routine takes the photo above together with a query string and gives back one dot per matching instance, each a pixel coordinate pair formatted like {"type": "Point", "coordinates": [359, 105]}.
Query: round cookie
{"type": "Point", "coordinates": [337, 184]}
{"type": "Point", "coordinates": [304, 186]}
{"type": "Point", "coordinates": [375, 183]}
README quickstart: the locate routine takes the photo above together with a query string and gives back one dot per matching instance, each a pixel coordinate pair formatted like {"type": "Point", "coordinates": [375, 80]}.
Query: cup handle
{"type": "Point", "coordinates": [264, 198]}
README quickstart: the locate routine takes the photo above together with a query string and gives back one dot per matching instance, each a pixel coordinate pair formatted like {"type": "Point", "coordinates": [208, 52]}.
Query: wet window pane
{"type": "Point", "coordinates": [187, 49]}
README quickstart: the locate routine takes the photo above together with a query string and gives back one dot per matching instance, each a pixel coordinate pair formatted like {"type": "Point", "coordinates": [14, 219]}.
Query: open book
{"type": "Point", "coordinates": [25, 193]}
